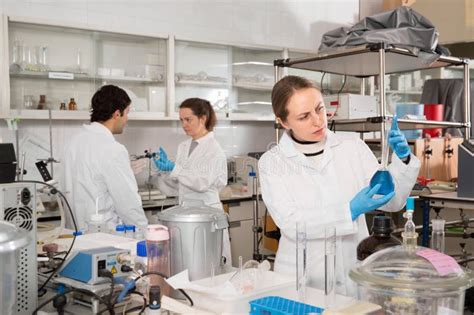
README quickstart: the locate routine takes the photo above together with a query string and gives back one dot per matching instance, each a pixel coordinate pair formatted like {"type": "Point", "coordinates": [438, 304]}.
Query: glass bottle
{"type": "Point", "coordinates": [42, 102]}
{"type": "Point", "coordinates": [62, 106]}
{"type": "Point", "coordinates": [437, 235]}
{"type": "Point", "coordinates": [409, 234]}
{"type": "Point", "coordinates": [379, 239]}
{"type": "Point", "coordinates": [72, 104]}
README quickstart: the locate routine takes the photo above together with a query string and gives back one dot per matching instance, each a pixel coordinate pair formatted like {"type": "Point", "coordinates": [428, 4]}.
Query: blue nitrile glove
{"type": "Point", "coordinates": [397, 140]}
{"type": "Point", "coordinates": [163, 164]}
{"type": "Point", "coordinates": [363, 201]}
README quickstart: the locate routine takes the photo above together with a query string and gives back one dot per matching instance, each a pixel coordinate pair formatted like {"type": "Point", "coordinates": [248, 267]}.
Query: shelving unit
{"type": "Point", "coordinates": [379, 60]}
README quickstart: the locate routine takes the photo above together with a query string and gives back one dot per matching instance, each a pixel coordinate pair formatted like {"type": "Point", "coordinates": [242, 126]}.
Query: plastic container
{"type": "Point", "coordinates": [434, 112]}
{"type": "Point", "coordinates": [96, 224]}
{"type": "Point", "coordinates": [130, 231]}
{"type": "Point", "coordinates": [414, 110]}
{"type": "Point", "coordinates": [437, 235]}
{"type": "Point", "coordinates": [141, 260]}
{"type": "Point", "coordinates": [158, 253]}
{"type": "Point", "coordinates": [120, 230]}
{"type": "Point", "coordinates": [381, 238]}
{"type": "Point", "coordinates": [270, 284]}
{"type": "Point", "coordinates": [275, 305]}
{"type": "Point", "coordinates": [250, 182]}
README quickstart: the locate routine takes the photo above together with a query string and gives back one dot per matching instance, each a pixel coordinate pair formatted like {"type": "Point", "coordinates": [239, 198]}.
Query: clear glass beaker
{"type": "Point", "coordinates": [157, 248]}
{"type": "Point", "coordinates": [330, 266]}
{"type": "Point", "coordinates": [301, 277]}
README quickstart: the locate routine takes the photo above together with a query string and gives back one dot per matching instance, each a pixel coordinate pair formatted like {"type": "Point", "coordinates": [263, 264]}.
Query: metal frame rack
{"type": "Point", "coordinates": [379, 60]}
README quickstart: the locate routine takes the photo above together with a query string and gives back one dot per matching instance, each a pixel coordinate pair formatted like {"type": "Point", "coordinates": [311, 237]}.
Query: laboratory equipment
{"type": "Point", "coordinates": [120, 230]}
{"type": "Point", "coordinates": [466, 169]}
{"type": "Point", "coordinates": [42, 102]}
{"type": "Point", "coordinates": [301, 276]}
{"type": "Point", "coordinates": [196, 232]}
{"type": "Point", "coordinates": [276, 305]}
{"type": "Point", "coordinates": [434, 112]}
{"type": "Point", "coordinates": [437, 235]}
{"type": "Point", "coordinates": [158, 253]}
{"type": "Point", "coordinates": [381, 238]}
{"type": "Point", "coordinates": [84, 265]}
{"type": "Point", "coordinates": [96, 221]}
{"type": "Point", "coordinates": [7, 163]}
{"type": "Point", "coordinates": [12, 240]}
{"type": "Point", "coordinates": [72, 104]}
{"type": "Point", "coordinates": [409, 279]}
{"type": "Point", "coordinates": [330, 266]}
{"type": "Point", "coordinates": [18, 207]}
{"type": "Point", "coordinates": [383, 176]}
{"type": "Point", "coordinates": [409, 234]}
{"type": "Point", "coordinates": [141, 260]}
{"type": "Point", "coordinates": [130, 230]}
{"type": "Point", "coordinates": [350, 106]}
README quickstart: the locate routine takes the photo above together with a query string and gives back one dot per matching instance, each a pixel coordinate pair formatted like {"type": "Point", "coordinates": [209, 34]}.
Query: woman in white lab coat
{"type": "Point", "coordinates": [200, 169]}
{"type": "Point", "coordinates": [321, 178]}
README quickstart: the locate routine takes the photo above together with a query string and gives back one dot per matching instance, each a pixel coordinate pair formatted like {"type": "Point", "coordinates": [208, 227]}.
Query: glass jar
{"type": "Point", "coordinates": [42, 102]}
{"type": "Point", "coordinates": [381, 238]}
{"type": "Point", "coordinates": [72, 104]}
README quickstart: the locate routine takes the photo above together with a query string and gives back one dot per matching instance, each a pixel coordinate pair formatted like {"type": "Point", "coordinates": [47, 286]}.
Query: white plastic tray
{"type": "Point", "coordinates": [269, 283]}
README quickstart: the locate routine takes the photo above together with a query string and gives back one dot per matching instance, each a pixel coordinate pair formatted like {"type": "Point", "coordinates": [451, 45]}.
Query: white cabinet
{"type": "Point", "coordinates": [59, 63]}
{"type": "Point", "coordinates": [241, 230]}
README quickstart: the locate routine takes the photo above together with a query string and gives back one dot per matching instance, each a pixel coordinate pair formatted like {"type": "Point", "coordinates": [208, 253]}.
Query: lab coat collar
{"type": "Point", "coordinates": [99, 128]}
{"type": "Point", "coordinates": [208, 136]}
{"type": "Point", "coordinates": [288, 149]}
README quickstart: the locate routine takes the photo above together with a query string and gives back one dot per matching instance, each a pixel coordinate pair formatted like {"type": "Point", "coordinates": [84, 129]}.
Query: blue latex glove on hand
{"type": "Point", "coordinates": [397, 140]}
{"type": "Point", "coordinates": [163, 164]}
{"type": "Point", "coordinates": [363, 201]}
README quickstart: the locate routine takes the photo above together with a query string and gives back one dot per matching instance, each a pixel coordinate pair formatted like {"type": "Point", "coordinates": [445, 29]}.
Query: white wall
{"type": "Point", "coordinates": [285, 23]}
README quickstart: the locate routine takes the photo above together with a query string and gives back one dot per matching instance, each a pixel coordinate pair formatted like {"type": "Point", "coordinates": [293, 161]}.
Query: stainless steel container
{"type": "Point", "coordinates": [12, 240]}
{"type": "Point", "coordinates": [195, 237]}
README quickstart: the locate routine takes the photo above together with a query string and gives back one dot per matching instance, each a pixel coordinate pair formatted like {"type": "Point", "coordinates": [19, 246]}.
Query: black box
{"type": "Point", "coordinates": [466, 169]}
{"type": "Point", "coordinates": [7, 163]}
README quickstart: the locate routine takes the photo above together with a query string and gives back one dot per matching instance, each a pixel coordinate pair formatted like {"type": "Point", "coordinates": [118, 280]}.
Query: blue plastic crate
{"type": "Point", "coordinates": [275, 305]}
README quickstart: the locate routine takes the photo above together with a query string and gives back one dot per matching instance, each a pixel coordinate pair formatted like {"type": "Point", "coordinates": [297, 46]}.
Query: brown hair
{"type": "Point", "coordinates": [284, 89]}
{"type": "Point", "coordinates": [200, 108]}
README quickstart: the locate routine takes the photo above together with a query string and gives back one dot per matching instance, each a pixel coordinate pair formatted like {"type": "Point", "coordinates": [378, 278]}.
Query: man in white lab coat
{"type": "Point", "coordinates": [97, 167]}
{"type": "Point", "coordinates": [320, 179]}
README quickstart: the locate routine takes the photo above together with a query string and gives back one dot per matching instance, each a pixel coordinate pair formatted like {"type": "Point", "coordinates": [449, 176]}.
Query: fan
{"type": "Point", "coordinates": [21, 216]}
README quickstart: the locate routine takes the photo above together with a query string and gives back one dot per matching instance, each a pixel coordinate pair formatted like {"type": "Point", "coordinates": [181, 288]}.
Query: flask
{"type": "Point", "coordinates": [72, 104]}
{"type": "Point", "coordinates": [437, 235]}
{"type": "Point", "coordinates": [157, 248]}
{"type": "Point", "coordinates": [42, 102]}
{"type": "Point", "coordinates": [379, 239]}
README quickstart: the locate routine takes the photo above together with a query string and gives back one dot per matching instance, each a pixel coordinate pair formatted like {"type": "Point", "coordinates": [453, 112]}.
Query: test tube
{"type": "Point", "coordinates": [330, 266]}
{"type": "Point", "coordinates": [301, 260]}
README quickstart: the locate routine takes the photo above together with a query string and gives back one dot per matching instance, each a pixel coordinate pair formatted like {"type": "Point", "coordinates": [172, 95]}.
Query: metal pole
{"type": "Point", "coordinates": [277, 125]}
{"type": "Point", "coordinates": [467, 101]}
{"type": "Point", "coordinates": [51, 158]}
{"type": "Point", "coordinates": [382, 108]}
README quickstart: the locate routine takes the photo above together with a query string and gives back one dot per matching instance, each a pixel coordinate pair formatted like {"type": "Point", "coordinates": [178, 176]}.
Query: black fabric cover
{"type": "Point", "coordinates": [449, 92]}
{"type": "Point", "coordinates": [402, 27]}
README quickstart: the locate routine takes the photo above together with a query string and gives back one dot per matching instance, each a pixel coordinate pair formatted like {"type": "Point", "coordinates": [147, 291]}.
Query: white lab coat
{"type": "Point", "coordinates": [96, 165]}
{"type": "Point", "coordinates": [199, 176]}
{"type": "Point", "coordinates": [296, 190]}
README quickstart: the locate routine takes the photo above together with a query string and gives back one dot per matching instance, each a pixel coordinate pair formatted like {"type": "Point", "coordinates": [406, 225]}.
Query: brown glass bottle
{"type": "Point", "coordinates": [72, 104]}
{"type": "Point", "coordinates": [42, 102]}
{"type": "Point", "coordinates": [62, 106]}
{"type": "Point", "coordinates": [381, 238]}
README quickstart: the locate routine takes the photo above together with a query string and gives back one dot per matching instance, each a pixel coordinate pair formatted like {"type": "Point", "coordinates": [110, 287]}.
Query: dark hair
{"type": "Point", "coordinates": [106, 101]}
{"type": "Point", "coordinates": [284, 89]}
{"type": "Point", "coordinates": [201, 108]}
